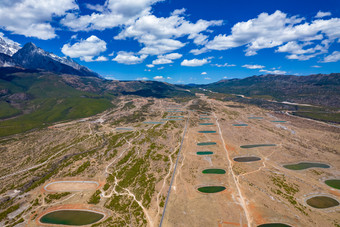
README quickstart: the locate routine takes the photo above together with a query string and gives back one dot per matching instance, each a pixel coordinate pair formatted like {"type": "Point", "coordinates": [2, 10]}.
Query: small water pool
{"type": "Point", "coordinates": [214, 171]}
{"type": "Point", "coordinates": [204, 152]}
{"type": "Point", "coordinates": [206, 123]}
{"type": "Point", "coordinates": [206, 131]}
{"type": "Point", "coordinates": [247, 159]}
{"type": "Point", "coordinates": [322, 202]}
{"type": "Point", "coordinates": [259, 118]}
{"type": "Point", "coordinates": [206, 143]}
{"type": "Point", "coordinates": [211, 189]}
{"type": "Point", "coordinates": [257, 145]}
{"type": "Point", "coordinates": [71, 217]}
{"type": "Point", "coordinates": [274, 225]}
{"type": "Point", "coordinates": [334, 183]}
{"type": "Point", "coordinates": [240, 125]}
{"type": "Point", "coordinates": [306, 165]}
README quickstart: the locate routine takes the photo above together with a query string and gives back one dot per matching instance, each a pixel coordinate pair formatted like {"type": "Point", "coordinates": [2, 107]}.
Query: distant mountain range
{"type": "Point", "coordinates": [319, 89]}
{"type": "Point", "coordinates": [33, 57]}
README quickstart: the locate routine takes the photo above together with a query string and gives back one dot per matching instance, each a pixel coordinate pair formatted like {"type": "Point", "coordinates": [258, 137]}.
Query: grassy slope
{"type": "Point", "coordinates": [52, 101]}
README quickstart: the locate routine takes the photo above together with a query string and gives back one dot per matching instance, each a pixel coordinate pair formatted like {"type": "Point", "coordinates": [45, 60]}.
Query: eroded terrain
{"type": "Point", "coordinates": [119, 165]}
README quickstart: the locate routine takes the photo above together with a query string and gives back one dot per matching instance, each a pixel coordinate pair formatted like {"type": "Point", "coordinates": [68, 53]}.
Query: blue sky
{"type": "Point", "coordinates": [182, 41]}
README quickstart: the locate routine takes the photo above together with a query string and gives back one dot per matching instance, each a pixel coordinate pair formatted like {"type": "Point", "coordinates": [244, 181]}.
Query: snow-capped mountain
{"type": "Point", "coordinates": [33, 57]}
{"type": "Point", "coordinates": [7, 61]}
{"type": "Point", "coordinates": [8, 46]}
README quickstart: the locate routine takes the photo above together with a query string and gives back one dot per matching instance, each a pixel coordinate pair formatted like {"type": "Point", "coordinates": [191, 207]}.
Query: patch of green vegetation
{"type": "Point", "coordinates": [95, 198]}
{"type": "Point", "coordinates": [106, 186]}
{"type": "Point", "coordinates": [52, 110]}
{"type": "Point", "coordinates": [6, 110]}
{"type": "Point", "coordinates": [81, 168]}
{"type": "Point", "coordinates": [320, 115]}
{"type": "Point", "coordinates": [9, 210]}
{"type": "Point", "coordinates": [287, 191]}
{"type": "Point", "coordinates": [128, 106]}
{"type": "Point", "coordinates": [56, 196]}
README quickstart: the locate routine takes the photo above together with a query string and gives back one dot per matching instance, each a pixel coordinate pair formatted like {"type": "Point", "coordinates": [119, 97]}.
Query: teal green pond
{"type": "Point", "coordinates": [204, 152]}
{"type": "Point", "coordinates": [240, 125]}
{"type": "Point", "coordinates": [206, 143]}
{"type": "Point", "coordinates": [204, 118]}
{"type": "Point", "coordinates": [279, 121]}
{"type": "Point", "coordinates": [306, 165]}
{"type": "Point", "coordinates": [206, 123]}
{"type": "Point", "coordinates": [153, 122]}
{"type": "Point", "coordinates": [211, 189]}
{"type": "Point", "coordinates": [334, 183]}
{"type": "Point", "coordinates": [257, 145]}
{"type": "Point", "coordinates": [71, 217]}
{"type": "Point", "coordinates": [274, 225]}
{"type": "Point", "coordinates": [207, 131]}
{"type": "Point", "coordinates": [214, 171]}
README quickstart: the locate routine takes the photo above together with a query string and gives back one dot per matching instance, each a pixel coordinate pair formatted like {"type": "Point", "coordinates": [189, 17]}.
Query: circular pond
{"type": "Point", "coordinates": [214, 171]}
{"type": "Point", "coordinates": [274, 225]}
{"type": "Point", "coordinates": [71, 217]}
{"type": "Point", "coordinates": [240, 125]}
{"type": "Point", "coordinates": [306, 165]}
{"type": "Point", "coordinates": [204, 152]}
{"type": "Point", "coordinates": [206, 123]}
{"type": "Point", "coordinates": [334, 183]}
{"type": "Point", "coordinates": [322, 202]}
{"type": "Point", "coordinates": [255, 118]}
{"type": "Point", "coordinates": [257, 145]}
{"type": "Point", "coordinates": [206, 143]}
{"type": "Point", "coordinates": [247, 159]}
{"type": "Point", "coordinates": [206, 131]}
{"type": "Point", "coordinates": [211, 189]}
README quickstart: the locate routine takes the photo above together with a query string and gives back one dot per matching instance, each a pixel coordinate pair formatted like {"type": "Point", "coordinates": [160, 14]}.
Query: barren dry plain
{"type": "Point", "coordinates": [155, 162]}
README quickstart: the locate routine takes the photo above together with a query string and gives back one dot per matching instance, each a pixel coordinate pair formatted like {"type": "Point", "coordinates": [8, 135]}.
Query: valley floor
{"type": "Point", "coordinates": [154, 162]}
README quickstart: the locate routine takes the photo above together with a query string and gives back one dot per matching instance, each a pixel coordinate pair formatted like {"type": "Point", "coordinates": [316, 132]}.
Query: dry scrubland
{"type": "Point", "coordinates": [115, 164]}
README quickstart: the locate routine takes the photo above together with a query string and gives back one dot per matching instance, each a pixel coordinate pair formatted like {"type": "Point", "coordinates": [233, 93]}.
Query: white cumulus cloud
{"type": "Point", "coordinates": [112, 14]}
{"type": "Point", "coordinates": [129, 58]}
{"type": "Point", "coordinates": [321, 14]}
{"type": "Point", "coordinates": [86, 49]}
{"type": "Point", "coordinates": [276, 30]}
{"type": "Point", "coordinates": [204, 73]}
{"type": "Point", "coordinates": [334, 57]}
{"type": "Point", "coordinates": [158, 78]}
{"type": "Point", "coordinates": [253, 66]}
{"type": "Point", "coordinates": [162, 61]}
{"type": "Point", "coordinates": [159, 34]}
{"type": "Point", "coordinates": [194, 62]}
{"type": "Point", "coordinates": [276, 71]}
{"type": "Point", "coordinates": [224, 65]}
{"type": "Point", "coordinates": [32, 18]}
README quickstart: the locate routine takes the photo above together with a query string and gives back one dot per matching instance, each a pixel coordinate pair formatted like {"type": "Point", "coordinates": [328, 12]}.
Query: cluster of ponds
{"type": "Point", "coordinates": [319, 202]}
{"type": "Point", "coordinates": [212, 188]}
